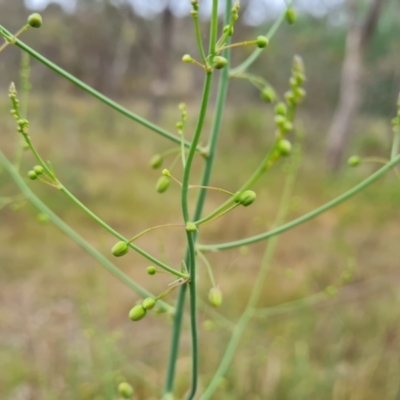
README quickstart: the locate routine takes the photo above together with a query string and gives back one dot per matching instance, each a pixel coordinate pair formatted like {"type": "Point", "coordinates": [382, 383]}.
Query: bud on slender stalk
{"type": "Point", "coordinates": [284, 147]}
{"type": "Point", "coordinates": [156, 161]}
{"type": "Point", "coordinates": [268, 94]}
{"type": "Point", "coordinates": [247, 197]}
{"type": "Point", "coordinates": [220, 62]}
{"type": "Point", "coordinates": [262, 42]}
{"type": "Point", "coordinates": [151, 270]}
{"type": "Point", "coordinates": [354, 161]}
{"type": "Point", "coordinates": [291, 16]}
{"type": "Point", "coordinates": [38, 169]}
{"type": "Point", "coordinates": [148, 303]}
{"type": "Point", "coordinates": [32, 175]}
{"type": "Point", "coordinates": [35, 20]}
{"type": "Point", "coordinates": [163, 184]}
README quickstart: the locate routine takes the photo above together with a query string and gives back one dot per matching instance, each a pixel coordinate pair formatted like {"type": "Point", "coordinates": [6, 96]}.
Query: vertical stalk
{"type": "Point", "coordinates": [221, 98]}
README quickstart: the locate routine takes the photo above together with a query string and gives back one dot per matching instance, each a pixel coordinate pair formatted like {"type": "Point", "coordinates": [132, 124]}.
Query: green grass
{"type": "Point", "coordinates": [64, 327]}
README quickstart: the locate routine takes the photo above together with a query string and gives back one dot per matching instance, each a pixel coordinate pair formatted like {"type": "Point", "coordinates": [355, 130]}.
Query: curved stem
{"type": "Point", "coordinates": [199, 40]}
{"type": "Point", "coordinates": [307, 217]}
{"type": "Point", "coordinates": [153, 229]}
{"type": "Point", "coordinates": [106, 100]}
{"type": "Point", "coordinates": [36, 202]}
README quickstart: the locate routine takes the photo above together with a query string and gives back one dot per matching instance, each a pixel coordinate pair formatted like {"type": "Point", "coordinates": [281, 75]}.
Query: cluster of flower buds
{"type": "Point", "coordinates": [125, 390]}
{"type": "Point", "coordinates": [181, 124]}
{"type": "Point", "coordinates": [35, 172]}
{"type": "Point", "coordinates": [296, 93]}
{"type": "Point", "coordinates": [139, 311]}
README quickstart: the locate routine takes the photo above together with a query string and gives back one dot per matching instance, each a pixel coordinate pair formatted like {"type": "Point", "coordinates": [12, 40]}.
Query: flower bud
{"type": "Point", "coordinates": [156, 161]}
{"type": "Point", "coordinates": [228, 30]}
{"type": "Point", "coordinates": [281, 109]}
{"type": "Point", "coordinates": [268, 94]}
{"type": "Point", "coordinates": [300, 93]}
{"type": "Point", "coordinates": [125, 390]}
{"type": "Point", "coordinates": [120, 249]}
{"type": "Point", "coordinates": [262, 42]}
{"type": "Point", "coordinates": [148, 303]}
{"type": "Point", "coordinates": [187, 59]}
{"type": "Point", "coordinates": [162, 184]}
{"type": "Point", "coordinates": [137, 313]}
{"type": "Point", "coordinates": [290, 99]}
{"type": "Point", "coordinates": [284, 147]}
{"type": "Point", "coordinates": [215, 296]}
{"type": "Point", "coordinates": [194, 13]}
{"type": "Point", "coordinates": [220, 62]}
{"type": "Point", "coordinates": [35, 20]}
{"type": "Point", "coordinates": [32, 175]}
{"type": "Point", "coordinates": [166, 172]}
{"type": "Point", "coordinates": [298, 65]}
{"type": "Point", "coordinates": [354, 161]}
{"type": "Point", "coordinates": [290, 16]}
{"type": "Point", "coordinates": [151, 270]}
{"type": "Point", "coordinates": [247, 197]}
{"type": "Point", "coordinates": [287, 127]}
{"type": "Point", "coordinates": [38, 169]}
{"type": "Point", "coordinates": [191, 227]}
{"type": "Point", "coordinates": [280, 121]}
{"type": "Point", "coordinates": [179, 125]}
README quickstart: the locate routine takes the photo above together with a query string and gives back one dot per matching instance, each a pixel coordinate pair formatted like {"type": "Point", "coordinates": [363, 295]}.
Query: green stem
{"type": "Point", "coordinates": [199, 40]}
{"type": "Point", "coordinates": [36, 202]}
{"type": "Point", "coordinates": [396, 143]}
{"type": "Point", "coordinates": [305, 218]}
{"type": "Point", "coordinates": [153, 228]}
{"type": "Point", "coordinates": [257, 289]}
{"type": "Point", "coordinates": [106, 100]}
{"type": "Point", "coordinates": [213, 141]}
{"type": "Point", "coordinates": [208, 266]}
{"type": "Point", "coordinates": [256, 53]}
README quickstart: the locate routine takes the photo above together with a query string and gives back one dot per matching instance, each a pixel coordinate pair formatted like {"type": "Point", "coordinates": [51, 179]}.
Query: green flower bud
{"type": "Point", "coordinates": [137, 313]}
{"type": "Point", "coordinates": [187, 59]}
{"type": "Point", "coordinates": [290, 99]}
{"type": "Point", "coordinates": [38, 169]}
{"type": "Point", "coordinates": [163, 184]}
{"type": "Point", "coordinates": [287, 127]}
{"type": "Point", "coordinates": [120, 249]}
{"type": "Point", "coordinates": [125, 390]}
{"type": "Point", "coordinates": [290, 16]}
{"type": "Point", "coordinates": [280, 121]}
{"type": "Point", "coordinates": [35, 20]}
{"type": "Point", "coordinates": [148, 303]}
{"type": "Point", "coordinates": [43, 218]}
{"type": "Point", "coordinates": [194, 13]}
{"type": "Point", "coordinates": [228, 30]}
{"type": "Point", "coordinates": [191, 227]}
{"type": "Point", "coordinates": [354, 161]}
{"type": "Point", "coordinates": [32, 175]}
{"type": "Point", "coordinates": [179, 125]}
{"type": "Point", "coordinates": [300, 78]}
{"type": "Point", "coordinates": [284, 147]}
{"type": "Point", "coordinates": [166, 172]}
{"type": "Point", "coordinates": [268, 94]}
{"type": "Point", "coordinates": [215, 296]}
{"type": "Point", "coordinates": [247, 197]}
{"type": "Point", "coordinates": [220, 62]}
{"type": "Point", "coordinates": [151, 270]}
{"type": "Point", "coordinates": [156, 161]}
{"type": "Point", "coordinates": [300, 93]}
{"type": "Point", "coordinates": [298, 65]}
{"type": "Point", "coordinates": [281, 109]}
{"type": "Point", "coordinates": [262, 42]}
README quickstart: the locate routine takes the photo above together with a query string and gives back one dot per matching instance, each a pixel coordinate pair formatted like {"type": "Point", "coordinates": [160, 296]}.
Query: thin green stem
{"type": "Point", "coordinates": [153, 229]}
{"type": "Point", "coordinates": [256, 53]}
{"type": "Point", "coordinates": [36, 202]}
{"type": "Point", "coordinates": [208, 266]}
{"type": "Point", "coordinates": [396, 143]}
{"type": "Point", "coordinates": [230, 46]}
{"type": "Point", "coordinates": [213, 218]}
{"type": "Point", "coordinates": [106, 100]}
{"type": "Point", "coordinates": [212, 188]}
{"type": "Point", "coordinates": [213, 141]}
{"type": "Point", "coordinates": [307, 217]}
{"type": "Point", "coordinates": [199, 40]}
{"type": "Point", "coordinates": [257, 289]}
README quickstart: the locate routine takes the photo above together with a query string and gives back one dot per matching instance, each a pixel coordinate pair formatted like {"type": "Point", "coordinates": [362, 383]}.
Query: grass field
{"type": "Point", "coordinates": [64, 330]}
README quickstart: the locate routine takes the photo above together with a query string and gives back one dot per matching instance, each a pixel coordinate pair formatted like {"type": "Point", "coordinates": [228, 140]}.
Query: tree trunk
{"type": "Point", "coordinates": [358, 38]}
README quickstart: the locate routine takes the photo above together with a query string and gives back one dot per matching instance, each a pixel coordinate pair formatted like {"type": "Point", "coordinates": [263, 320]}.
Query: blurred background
{"type": "Point", "coordinates": [64, 331]}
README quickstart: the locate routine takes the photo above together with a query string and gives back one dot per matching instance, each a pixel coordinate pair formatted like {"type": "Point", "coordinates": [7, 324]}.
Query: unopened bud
{"type": "Point", "coordinates": [247, 197]}
{"type": "Point", "coordinates": [215, 296]}
{"type": "Point", "coordinates": [191, 227]}
{"type": "Point", "coordinates": [35, 20]}
{"type": "Point", "coordinates": [284, 147]}
{"type": "Point", "coordinates": [268, 94]}
{"type": "Point", "coordinates": [163, 184]}
{"type": "Point", "coordinates": [228, 29]}
{"type": "Point", "coordinates": [137, 313]}
{"type": "Point", "coordinates": [187, 59]}
{"type": "Point", "coordinates": [156, 161]}
{"type": "Point", "coordinates": [32, 175]}
{"type": "Point", "coordinates": [281, 109]}
{"type": "Point", "coordinates": [354, 161]}
{"type": "Point", "coordinates": [151, 270]}
{"type": "Point", "coordinates": [38, 169]}
{"type": "Point", "coordinates": [125, 390]}
{"type": "Point", "coordinates": [291, 16]}
{"type": "Point", "coordinates": [148, 303]}
{"type": "Point", "coordinates": [120, 249]}
{"type": "Point", "coordinates": [262, 42]}
{"type": "Point", "coordinates": [220, 62]}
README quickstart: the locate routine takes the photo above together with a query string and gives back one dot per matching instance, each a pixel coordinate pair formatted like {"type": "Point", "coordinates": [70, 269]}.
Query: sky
{"type": "Point", "coordinates": [259, 11]}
